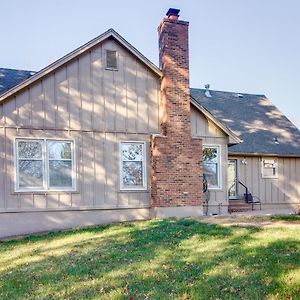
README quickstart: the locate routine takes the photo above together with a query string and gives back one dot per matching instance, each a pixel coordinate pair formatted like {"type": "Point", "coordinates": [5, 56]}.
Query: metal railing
{"type": "Point", "coordinates": [249, 197]}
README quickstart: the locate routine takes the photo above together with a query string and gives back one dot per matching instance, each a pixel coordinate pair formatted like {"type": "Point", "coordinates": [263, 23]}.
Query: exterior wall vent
{"type": "Point", "coordinates": [111, 60]}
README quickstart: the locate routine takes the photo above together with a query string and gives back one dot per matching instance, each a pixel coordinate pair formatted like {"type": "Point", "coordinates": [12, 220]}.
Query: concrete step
{"type": "Point", "coordinates": [239, 206]}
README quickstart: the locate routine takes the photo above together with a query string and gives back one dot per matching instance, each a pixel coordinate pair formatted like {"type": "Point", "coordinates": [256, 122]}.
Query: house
{"type": "Point", "coordinates": [103, 135]}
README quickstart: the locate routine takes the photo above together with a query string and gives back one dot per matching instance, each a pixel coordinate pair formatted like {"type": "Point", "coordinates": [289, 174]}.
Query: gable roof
{"type": "Point", "coordinates": [111, 33]}
{"type": "Point", "coordinates": [11, 77]}
{"type": "Point", "coordinates": [233, 138]}
{"type": "Point", "coordinates": [255, 120]}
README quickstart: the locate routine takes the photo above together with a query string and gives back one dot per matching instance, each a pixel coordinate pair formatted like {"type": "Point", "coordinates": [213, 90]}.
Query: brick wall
{"type": "Point", "coordinates": [176, 157]}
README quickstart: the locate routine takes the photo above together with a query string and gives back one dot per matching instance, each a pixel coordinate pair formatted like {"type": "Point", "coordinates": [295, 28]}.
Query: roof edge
{"type": "Point", "coordinates": [256, 154]}
{"type": "Point", "coordinates": [231, 92]}
{"type": "Point", "coordinates": [207, 114]}
{"type": "Point", "coordinates": [71, 55]}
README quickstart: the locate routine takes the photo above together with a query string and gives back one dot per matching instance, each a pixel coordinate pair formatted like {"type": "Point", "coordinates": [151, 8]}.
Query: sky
{"type": "Point", "coordinates": [250, 46]}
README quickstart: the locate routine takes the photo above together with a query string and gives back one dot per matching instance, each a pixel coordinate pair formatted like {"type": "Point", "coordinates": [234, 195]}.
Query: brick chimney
{"type": "Point", "coordinates": [176, 157]}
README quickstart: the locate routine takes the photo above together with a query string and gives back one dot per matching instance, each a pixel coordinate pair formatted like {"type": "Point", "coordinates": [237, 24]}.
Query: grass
{"type": "Point", "coordinates": [157, 259]}
{"type": "Point", "coordinates": [287, 218]}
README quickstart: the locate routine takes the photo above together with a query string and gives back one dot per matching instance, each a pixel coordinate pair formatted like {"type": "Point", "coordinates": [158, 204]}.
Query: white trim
{"type": "Point", "coordinates": [236, 178]}
{"type": "Point", "coordinates": [220, 185]}
{"type": "Point", "coordinates": [46, 185]}
{"type": "Point", "coordinates": [144, 167]}
{"type": "Point", "coordinates": [262, 168]}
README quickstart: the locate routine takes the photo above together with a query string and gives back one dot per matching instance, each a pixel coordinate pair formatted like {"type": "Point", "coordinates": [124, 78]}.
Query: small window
{"type": "Point", "coordinates": [44, 164]}
{"type": "Point", "coordinates": [211, 166]}
{"type": "Point", "coordinates": [133, 166]}
{"type": "Point", "coordinates": [111, 60]}
{"type": "Point", "coordinates": [269, 168]}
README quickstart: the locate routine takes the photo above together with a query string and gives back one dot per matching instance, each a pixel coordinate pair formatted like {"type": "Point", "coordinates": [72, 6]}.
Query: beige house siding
{"type": "Point", "coordinates": [212, 135]}
{"type": "Point", "coordinates": [275, 192]}
{"type": "Point", "coordinates": [97, 108]}
{"type": "Point", "coordinates": [83, 95]}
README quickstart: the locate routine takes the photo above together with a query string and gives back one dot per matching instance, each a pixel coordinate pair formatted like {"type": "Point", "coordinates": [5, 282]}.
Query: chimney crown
{"type": "Point", "coordinates": [173, 13]}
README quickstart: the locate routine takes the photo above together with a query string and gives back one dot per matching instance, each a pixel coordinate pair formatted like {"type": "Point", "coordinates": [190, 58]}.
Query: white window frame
{"type": "Point", "coordinates": [117, 60]}
{"type": "Point", "coordinates": [218, 147]}
{"type": "Point", "coordinates": [263, 175]}
{"type": "Point", "coordinates": [45, 160]}
{"type": "Point", "coordinates": [144, 167]}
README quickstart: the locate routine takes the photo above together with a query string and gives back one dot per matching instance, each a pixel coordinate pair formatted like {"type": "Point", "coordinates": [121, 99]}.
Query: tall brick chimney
{"type": "Point", "coordinates": [176, 157]}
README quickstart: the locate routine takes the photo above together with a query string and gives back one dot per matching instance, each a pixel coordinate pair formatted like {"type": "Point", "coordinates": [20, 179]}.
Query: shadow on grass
{"type": "Point", "coordinates": [157, 259]}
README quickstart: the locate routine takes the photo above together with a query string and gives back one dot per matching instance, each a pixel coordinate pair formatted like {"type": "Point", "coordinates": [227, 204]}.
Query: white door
{"type": "Point", "coordinates": [232, 179]}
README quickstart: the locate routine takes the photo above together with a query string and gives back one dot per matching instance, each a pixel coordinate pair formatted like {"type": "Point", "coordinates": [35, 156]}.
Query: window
{"type": "Point", "coordinates": [44, 164]}
{"type": "Point", "coordinates": [111, 60]}
{"type": "Point", "coordinates": [211, 166]}
{"type": "Point", "coordinates": [133, 166]}
{"type": "Point", "coordinates": [269, 168]}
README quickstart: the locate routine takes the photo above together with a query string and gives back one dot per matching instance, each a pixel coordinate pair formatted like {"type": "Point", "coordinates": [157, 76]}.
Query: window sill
{"type": "Point", "coordinates": [215, 188]}
{"type": "Point", "coordinates": [48, 192]}
{"type": "Point", "coordinates": [121, 190]}
{"type": "Point", "coordinates": [111, 69]}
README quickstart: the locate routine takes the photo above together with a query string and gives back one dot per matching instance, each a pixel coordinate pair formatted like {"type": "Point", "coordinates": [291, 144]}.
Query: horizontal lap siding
{"type": "Point", "coordinates": [281, 190]}
{"type": "Point", "coordinates": [96, 107]}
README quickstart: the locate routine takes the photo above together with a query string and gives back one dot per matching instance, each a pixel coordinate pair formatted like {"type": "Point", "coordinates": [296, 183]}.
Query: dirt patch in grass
{"type": "Point", "coordinates": [257, 221]}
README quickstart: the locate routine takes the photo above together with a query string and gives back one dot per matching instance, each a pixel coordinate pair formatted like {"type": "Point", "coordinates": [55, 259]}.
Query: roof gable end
{"type": "Point", "coordinates": [255, 119]}
{"type": "Point", "coordinates": [111, 33]}
{"type": "Point", "coordinates": [233, 138]}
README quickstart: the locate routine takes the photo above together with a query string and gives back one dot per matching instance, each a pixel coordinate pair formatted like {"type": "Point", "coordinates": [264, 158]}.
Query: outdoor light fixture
{"type": "Point", "coordinates": [276, 140]}
{"type": "Point", "coordinates": [244, 161]}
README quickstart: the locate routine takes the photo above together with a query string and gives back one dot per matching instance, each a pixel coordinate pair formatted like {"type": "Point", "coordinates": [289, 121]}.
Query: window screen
{"type": "Point", "coordinates": [133, 172]}
{"type": "Point", "coordinates": [111, 59]}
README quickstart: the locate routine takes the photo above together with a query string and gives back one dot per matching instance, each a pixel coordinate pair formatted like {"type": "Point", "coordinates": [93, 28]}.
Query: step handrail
{"type": "Point", "coordinates": [247, 194]}
{"type": "Point", "coordinates": [245, 188]}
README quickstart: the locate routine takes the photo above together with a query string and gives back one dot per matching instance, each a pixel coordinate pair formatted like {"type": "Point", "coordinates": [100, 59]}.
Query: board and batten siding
{"type": "Point", "coordinates": [212, 135]}
{"type": "Point", "coordinates": [272, 192]}
{"type": "Point", "coordinates": [97, 108]}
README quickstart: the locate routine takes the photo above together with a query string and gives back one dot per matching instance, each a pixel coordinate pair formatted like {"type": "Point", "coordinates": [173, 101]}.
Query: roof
{"type": "Point", "coordinates": [255, 120]}
{"type": "Point", "coordinates": [111, 33]}
{"type": "Point", "coordinates": [233, 138]}
{"type": "Point", "coordinates": [11, 77]}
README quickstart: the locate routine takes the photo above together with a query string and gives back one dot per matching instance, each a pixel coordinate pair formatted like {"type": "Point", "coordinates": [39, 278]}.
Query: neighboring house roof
{"type": "Point", "coordinates": [255, 120]}
{"type": "Point", "coordinates": [108, 34]}
{"type": "Point", "coordinates": [11, 77]}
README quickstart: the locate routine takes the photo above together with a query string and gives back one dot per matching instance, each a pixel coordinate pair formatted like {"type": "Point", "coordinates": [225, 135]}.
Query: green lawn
{"type": "Point", "coordinates": [157, 259]}
{"type": "Point", "coordinates": [293, 218]}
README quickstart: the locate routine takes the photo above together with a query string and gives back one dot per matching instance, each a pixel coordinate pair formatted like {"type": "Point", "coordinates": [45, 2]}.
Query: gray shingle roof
{"type": "Point", "coordinates": [11, 77]}
{"type": "Point", "coordinates": [255, 120]}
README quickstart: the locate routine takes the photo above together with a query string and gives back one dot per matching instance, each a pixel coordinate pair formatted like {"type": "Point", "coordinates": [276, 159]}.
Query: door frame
{"type": "Point", "coordinates": [235, 160]}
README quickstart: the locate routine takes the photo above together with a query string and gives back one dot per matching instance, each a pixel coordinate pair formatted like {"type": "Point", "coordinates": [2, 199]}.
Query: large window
{"type": "Point", "coordinates": [269, 168]}
{"type": "Point", "coordinates": [133, 166]}
{"type": "Point", "coordinates": [211, 166]}
{"type": "Point", "coordinates": [44, 164]}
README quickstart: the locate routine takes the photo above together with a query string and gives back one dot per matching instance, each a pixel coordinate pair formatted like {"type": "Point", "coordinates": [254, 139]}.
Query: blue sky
{"type": "Point", "coordinates": [243, 46]}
